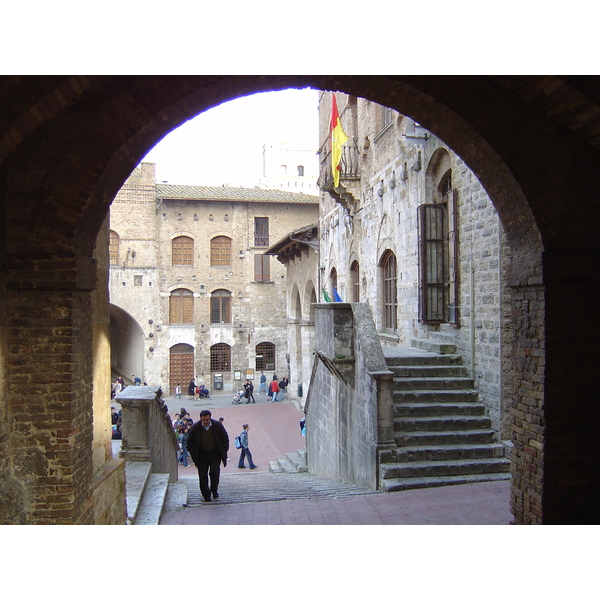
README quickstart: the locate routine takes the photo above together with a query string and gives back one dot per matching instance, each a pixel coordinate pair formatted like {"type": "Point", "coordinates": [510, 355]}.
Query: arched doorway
{"type": "Point", "coordinates": [531, 141]}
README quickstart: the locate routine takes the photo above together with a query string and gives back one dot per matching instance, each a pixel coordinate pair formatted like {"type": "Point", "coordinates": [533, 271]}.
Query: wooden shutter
{"type": "Point", "coordinates": [431, 262]}
{"type": "Point", "coordinates": [453, 258]}
{"type": "Point", "coordinates": [262, 267]}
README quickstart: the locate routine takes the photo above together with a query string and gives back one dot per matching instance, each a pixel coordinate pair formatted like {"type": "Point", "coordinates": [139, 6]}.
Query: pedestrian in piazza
{"type": "Point", "coordinates": [248, 392]}
{"type": "Point", "coordinates": [245, 451]}
{"type": "Point", "coordinates": [283, 388]}
{"type": "Point", "coordinates": [274, 389]}
{"type": "Point", "coordinates": [178, 391]}
{"type": "Point", "coordinates": [192, 389]}
{"type": "Point", "coordinates": [263, 383]}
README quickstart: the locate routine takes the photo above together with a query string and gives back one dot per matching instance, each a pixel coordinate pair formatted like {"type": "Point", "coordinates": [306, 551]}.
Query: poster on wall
{"type": "Point", "coordinates": [249, 373]}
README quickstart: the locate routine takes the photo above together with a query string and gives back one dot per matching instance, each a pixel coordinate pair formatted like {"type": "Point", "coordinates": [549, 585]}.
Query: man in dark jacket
{"type": "Point", "coordinates": [208, 444]}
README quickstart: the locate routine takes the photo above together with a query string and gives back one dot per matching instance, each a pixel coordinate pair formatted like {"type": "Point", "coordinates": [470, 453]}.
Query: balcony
{"type": "Point", "coordinates": [261, 240]}
{"type": "Point", "coordinates": [348, 192]}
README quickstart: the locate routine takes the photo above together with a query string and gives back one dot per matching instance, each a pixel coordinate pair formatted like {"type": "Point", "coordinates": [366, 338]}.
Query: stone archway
{"type": "Point", "coordinates": [68, 143]}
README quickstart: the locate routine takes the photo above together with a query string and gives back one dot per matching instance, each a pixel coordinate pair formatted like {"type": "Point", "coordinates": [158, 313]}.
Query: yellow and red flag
{"type": "Point", "coordinates": [338, 139]}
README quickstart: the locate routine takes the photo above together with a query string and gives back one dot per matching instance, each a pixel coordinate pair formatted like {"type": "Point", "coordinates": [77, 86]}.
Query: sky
{"type": "Point", "coordinates": [224, 144]}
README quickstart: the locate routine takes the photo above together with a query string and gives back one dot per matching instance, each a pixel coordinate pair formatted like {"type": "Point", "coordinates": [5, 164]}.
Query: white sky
{"type": "Point", "coordinates": [224, 144]}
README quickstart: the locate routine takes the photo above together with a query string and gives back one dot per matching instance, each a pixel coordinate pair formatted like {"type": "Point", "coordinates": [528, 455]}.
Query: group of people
{"type": "Point", "coordinates": [182, 424]}
{"type": "Point", "coordinates": [116, 417]}
{"type": "Point", "coordinates": [276, 390]}
{"type": "Point", "coordinates": [194, 391]}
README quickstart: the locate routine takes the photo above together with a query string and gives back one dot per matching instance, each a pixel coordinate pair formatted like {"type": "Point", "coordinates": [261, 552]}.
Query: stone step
{"type": "Point", "coordinates": [448, 452]}
{"type": "Point", "coordinates": [444, 438]}
{"type": "Point", "coordinates": [293, 462]}
{"type": "Point", "coordinates": [136, 477]}
{"type": "Point", "coordinates": [298, 462]}
{"type": "Point", "coordinates": [420, 370]}
{"type": "Point", "coordinates": [432, 383]}
{"type": "Point", "coordinates": [153, 500]}
{"type": "Point", "coordinates": [444, 468]}
{"type": "Point", "coordinates": [177, 497]}
{"type": "Point", "coordinates": [418, 409]}
{"type": "Point", "coordinates": [286, 465]}
{"type": "Point", "coordinates": [437, 346]}
{"type": "Point", "coordinates": [397, 485]}
{"type": "Point", "coordinates": [422, 359]}
{"type": "Point", "coordinates": [275, 467]}
{"type": "Point", "coordinates": [441, 423]}
{"type": "Point", "coordinates": [435, 396]}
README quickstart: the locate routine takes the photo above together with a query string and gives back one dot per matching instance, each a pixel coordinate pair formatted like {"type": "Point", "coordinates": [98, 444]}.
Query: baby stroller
{"type": "Point", "coordinates": [237, 399]}
{"type": "Point", "coordinates": [203, 392]}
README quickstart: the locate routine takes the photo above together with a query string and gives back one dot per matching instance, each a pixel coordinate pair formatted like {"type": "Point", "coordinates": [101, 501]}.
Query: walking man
{"type": "Point", "coordinates": [245, 450]}
{"type": "Point", "coordinates": [263, 383]}
{"type": "Point", "coordinates": [208, 444]}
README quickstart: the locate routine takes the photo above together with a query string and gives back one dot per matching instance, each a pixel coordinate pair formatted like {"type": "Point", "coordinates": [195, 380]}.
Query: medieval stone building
{"type": "Point", "coordinates": [67, 145]}
{"type": "Point", "coordinates": [409, 231]}
{"type": "Point", "coordinates": [192, 293]}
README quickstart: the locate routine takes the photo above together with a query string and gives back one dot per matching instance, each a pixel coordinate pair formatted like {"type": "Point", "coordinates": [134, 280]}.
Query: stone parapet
{"type": "Point", "coordinates": [148, 434]}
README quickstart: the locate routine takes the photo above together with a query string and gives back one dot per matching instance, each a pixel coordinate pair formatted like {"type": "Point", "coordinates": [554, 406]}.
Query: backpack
{"type": "Point", "coordinates": [238, 442]}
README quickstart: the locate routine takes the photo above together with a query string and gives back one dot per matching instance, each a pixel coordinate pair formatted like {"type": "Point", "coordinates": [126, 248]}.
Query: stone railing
{"type": "Point", "coordinates": [349, 407]}
{"type": "Point", "coordinates": [147, 430]}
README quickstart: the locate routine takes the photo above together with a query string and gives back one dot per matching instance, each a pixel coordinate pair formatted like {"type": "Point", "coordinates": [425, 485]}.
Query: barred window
{"type": "Point", "coordinates": [220, 251]}
{"type": "Point", "coordinates": [265, 356]}
{"type": "Point", "coordinates": [220, 358]}
{"type": "Point", "coordinates": [182, 251]}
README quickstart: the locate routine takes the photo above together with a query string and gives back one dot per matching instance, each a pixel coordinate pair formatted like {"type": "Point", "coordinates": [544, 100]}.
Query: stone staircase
{"type": "Point", "coordinates": [292, 462]}
{"type": "Point", "coordinates": [442, 433]}
{"type": "Point", "coordinates": [149, 494]}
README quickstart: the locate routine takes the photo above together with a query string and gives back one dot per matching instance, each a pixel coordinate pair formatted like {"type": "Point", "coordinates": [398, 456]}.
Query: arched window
{"type": "Point", "coordinates": [220, 358]}
{"type": "Point", "coordinates": [220, 251]}
{"type": "Point", "coordinates": [390, 296]}
{"type": "Point", "coordinates": [181, 306]}
{"type": "Point", "coordinates": [182, 251]}
{"type": "Point", "coordinates": [265, 356]}
{"type": "Point", "coordinates": [300, 170]}
{"type": "Point", "coordinates": [220, 306]}
{"type": "Point", "coordinates": [355, 275]}
{"type": "Point", "coordinates": [113, 247]}
{"type": "Point", "coordinates": [333, 281]}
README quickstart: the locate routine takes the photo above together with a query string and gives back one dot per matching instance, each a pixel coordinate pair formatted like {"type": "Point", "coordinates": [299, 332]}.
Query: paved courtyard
{"type": "Point", "coordinates": [261, 498]}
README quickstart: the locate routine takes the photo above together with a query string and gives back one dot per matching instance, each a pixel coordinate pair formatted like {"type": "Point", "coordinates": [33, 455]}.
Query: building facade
{"type": "Point", "coordinates": [192, 293]}
{"type": "Point", "coordinates": [411, 231]}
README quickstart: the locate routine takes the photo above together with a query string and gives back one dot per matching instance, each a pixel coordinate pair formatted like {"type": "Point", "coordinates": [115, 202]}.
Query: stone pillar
{"type": "Point", "coordinates": [48, 400]}
{"type": "Point", "coordinates": [385, 408]}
